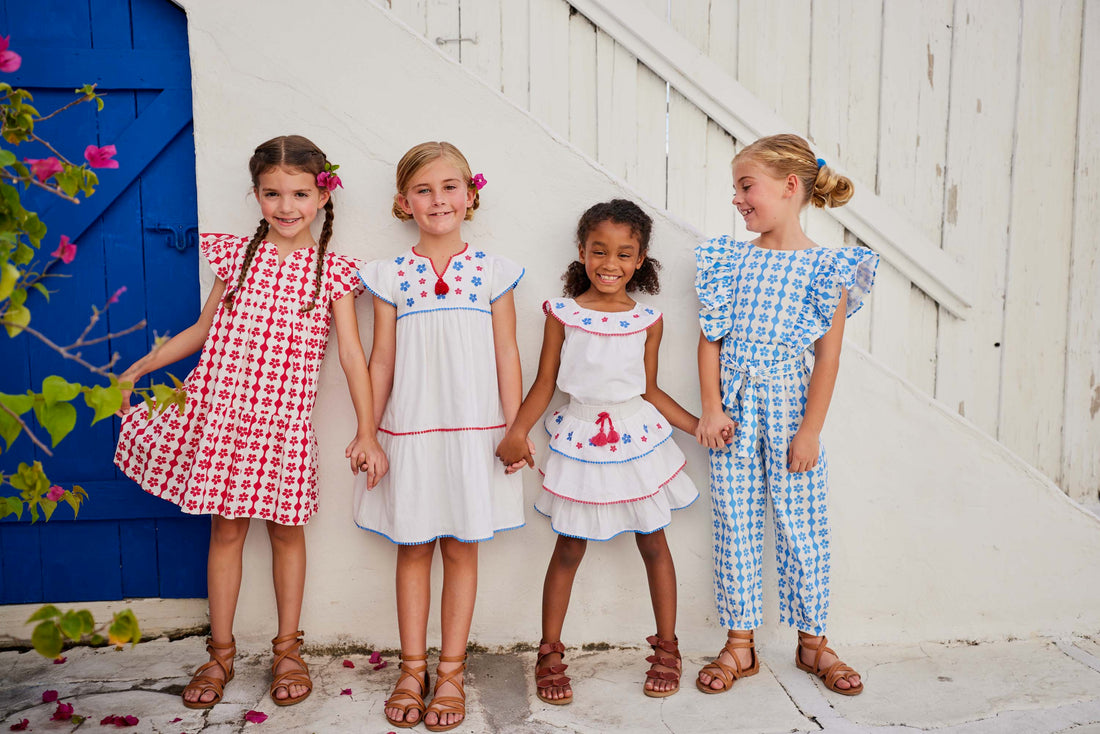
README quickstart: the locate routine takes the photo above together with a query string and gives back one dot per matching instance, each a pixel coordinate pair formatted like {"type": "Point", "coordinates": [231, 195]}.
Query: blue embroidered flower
{"type": "Point", "coordinates": [476, 280]}
{"type": "Point", "coordinates": [421, 268]}
{"type": "Point", "coordinates": [624, 324]}
{"type": "Point", "coordinates": [569, 436]}
{"type": "Point", "coordinates": [649, 311]}
{"type": "Point", "coordinates": [440, 296]}
{"type": "Point", "coordinates": [479, 255]}
{"type": "Point", "coordinates": [457, 266]}
{"type": "Point", "coordinates": [409, 301]}
{"type": "Point", "coordinates": [626, 438]}
{"type": "Point", "coordinates": [399, 260]}
{"type": "Point", "coordinates": [405, 285]}
{"type": "Point", "coordinates": [587, 321]}
{"type": "Point", "coordinates": [473, 298]}
{"type": "Point", "coordinates": [645, 428]}
{"type": "Point", "coordinates": [558, 419]}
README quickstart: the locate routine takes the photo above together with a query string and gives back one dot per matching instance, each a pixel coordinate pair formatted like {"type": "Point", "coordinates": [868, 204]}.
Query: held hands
{"type": "Point", "coordinates": [803, 451]}
{"type": "Point", "coordinates": [715, 429]}
{"type": "Point", "coordinates": [515, 450]}
{"type": "Point", "coordinates": [366, 454]}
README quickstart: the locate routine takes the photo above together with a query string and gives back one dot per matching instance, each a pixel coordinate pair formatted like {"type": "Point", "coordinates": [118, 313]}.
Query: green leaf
{"type": "Point", "coordinates": [59, 390]}
{"type": "Point", "coordinates": [9, 428]}
{"type": "Point", "coordinates": [58, 419]}
{"type": "Point", "coordinates": [35, 228]}
{"type": "Point", "coordinates": [48, 506]}
{"type": "Point", "coordinates": [47, 612]}
{"type": "Point", "coordinates": [19, 404]}
{"type": "Point", "coordinates": [23, 254]}
{"type": "Point", "coordinates": [87, 622]}
{"type": "Point", "coordinates": [9, 274]}
{"type": "Point", "coordinates": [43, 290]}
{"type": "Point", "coordinates": [46, 640]}
{"type": "Point", "coordinates": [175, 381]}
{"type": "Point", "coordinates": [124, 628]}
{"type": "Point", "coordinates": [164, 396]}
{"type": "Point", "coordinates": [74, 498]}
{"type": "Point", "coordinates": [95, 640]}
{"type": "Point", "coordinates": [71, 625]}
{"type": "Point", "coordinates": [105, 401]}
{"type": "Point", "coordinates": [16, 317]}
{"type": "Point", "coordinates": [7, 157]}
{"type": "Point", "coordinates": [11, 506]}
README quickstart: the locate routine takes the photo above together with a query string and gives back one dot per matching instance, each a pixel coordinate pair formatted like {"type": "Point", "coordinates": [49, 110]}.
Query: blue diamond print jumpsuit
{"type": "Point", "coordinates": [768, 307]}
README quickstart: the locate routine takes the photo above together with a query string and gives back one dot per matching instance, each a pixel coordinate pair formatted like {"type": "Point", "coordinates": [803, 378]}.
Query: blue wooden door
{"type": "Point", "coordinates": [139, 230]}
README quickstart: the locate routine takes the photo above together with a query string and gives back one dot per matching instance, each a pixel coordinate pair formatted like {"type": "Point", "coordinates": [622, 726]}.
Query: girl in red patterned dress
{"type": "Point", "coordinates": [244, 445]}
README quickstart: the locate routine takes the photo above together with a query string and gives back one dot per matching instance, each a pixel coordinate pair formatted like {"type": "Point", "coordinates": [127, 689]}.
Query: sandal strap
{"type": "Point", "coordinates": [672, 646]}
{"type": "Point", "coordinates": [449, 676]}
{"type": "Point", "coordinates": [415, 699]}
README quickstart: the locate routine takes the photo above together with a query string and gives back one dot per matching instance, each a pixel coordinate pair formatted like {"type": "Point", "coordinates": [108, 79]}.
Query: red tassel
{"type": "Point", "coordinates": [612, 436]}
{"type": "Point", "coordinates": [441, 288]}
{"type": "Point", "coordinates": [598, 440]}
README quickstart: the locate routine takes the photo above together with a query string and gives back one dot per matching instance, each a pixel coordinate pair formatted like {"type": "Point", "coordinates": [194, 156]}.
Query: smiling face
{"type": "Point", "coordinates": [763, 199]}
{"type": "Point", "coordinates": [611, 253]}
{"type": "Point", "coordinates": [437, 198]}
{"type": "Point", "coordinates": [289, 201]}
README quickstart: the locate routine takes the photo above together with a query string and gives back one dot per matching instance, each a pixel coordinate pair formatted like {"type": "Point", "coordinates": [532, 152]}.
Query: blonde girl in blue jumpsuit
{"type": "Point", "coordinates": [772, 320]}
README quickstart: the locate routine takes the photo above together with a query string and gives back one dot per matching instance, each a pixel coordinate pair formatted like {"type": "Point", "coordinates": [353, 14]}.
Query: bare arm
{"type": "Point", "coordinates": [515, 447]}
{"type": "Point", "coordinates": [383, 353]}
{"type": "Point", "coordinates": [364, 451]}
{"type": "Point", "coordinates": [183, 344]}
{"type": "Point", "coordinates": [669, 408]}
{"type": "Point", "coordinates": [509, 375]}
{"type": "Point", "coordinates": [715, 428]}
{"type": "Point", "coordinates": [805, 446]}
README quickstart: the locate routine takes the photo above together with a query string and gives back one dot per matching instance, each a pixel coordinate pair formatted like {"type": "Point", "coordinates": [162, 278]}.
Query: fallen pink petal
{"type": "Point", "coordinates": [58, 661]}
{"type": "Point", "coordinates": [375, 658]}
{"type": "Point", "coordinates": [10, 61]}
{"type": "Point", "coordinates": [64, 712]}
{"type": "Point", "coordinates": [115, 295]}
{"type": "Point", "coordinates": [66, 250]}
{"type": "Point", "coordinates": [173, 721]}
{"type": "Point", "coordinates": [381, 665]}
{"type": "Point", "coordinates": [55, 493]}
{"type": "Point", "coordinates": [255, 717]}
{"type": "Point", "coordinates": [349, 664]}
{"type": "Point", "coordinates": [345, 692]}
{"type": "Point", "coordinates": [43, 168]}
{"type": "Point", "coordinates": [101, 157]}
{"type": "Point", "coordinates": [49, 696]}
{"type": "Point", "coordinates": [21, 726]}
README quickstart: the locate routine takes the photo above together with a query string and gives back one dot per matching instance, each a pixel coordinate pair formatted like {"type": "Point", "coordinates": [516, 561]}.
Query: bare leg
{"type": "Point", "coordinates": [662, 592]}
{"type": "Point", "coordinates": [556, 590]}
{"type": "Point", "coordinates": [288, 571]}
{"type": "Point", "coordinates": [414, 580]}
{"type": "Point", "coordinates": [223, 584]}
{"type": "Point", "coordinates": [456, 615]}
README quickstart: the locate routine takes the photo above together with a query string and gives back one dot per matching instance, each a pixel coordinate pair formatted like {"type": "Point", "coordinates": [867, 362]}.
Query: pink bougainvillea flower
{"type": "Point", "coordinates": [345, 692]}
{"type": "Point", "coordinates": [43, 168]}
{"type": "Point", "coordinates": [101, 157]}
{"type": "Point", "coordinates": [115, 295]}
{"type": "Point", "coordinates": [58, 661]}
{"type": "Point", "coordinates": [173, 721]}
{"type": "Point", "coordinates": [66, 250]}
{"type": "Point", "coordinates": [479, 181]}
{"type": "Point", "coordinates": [375, 658]}
{"type": "Point", "coordinates": [49, 696]}
{"type": "Point", "coordinates": [9, 60]}
{"type": "Point", "coordinates": [381, 665]}
{"type": "Point", "coordinates": [55, 493]}
{"type": "Point", "coordinates": [120, 721]}
{"type": "Point", "coordinates": [64, 712]}
{"type": "Point", "coordinates": [349, 664]}
{"type": "Point", "coordinates": [255, 717]}
{"type": "Point", "coordinates": [329, 180]}
{"type": "Point", "coordinates": [21, 726]}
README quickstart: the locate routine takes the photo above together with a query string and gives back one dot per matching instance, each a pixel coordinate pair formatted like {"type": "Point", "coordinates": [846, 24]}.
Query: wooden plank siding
{"type": "Point", "coordinates": [1000, 170]}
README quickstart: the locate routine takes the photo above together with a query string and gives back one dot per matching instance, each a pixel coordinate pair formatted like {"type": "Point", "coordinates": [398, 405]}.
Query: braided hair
{"type": "Point", "coordinates": [300, 154]}
{"type": "Point", "coordinates": [619, 211]}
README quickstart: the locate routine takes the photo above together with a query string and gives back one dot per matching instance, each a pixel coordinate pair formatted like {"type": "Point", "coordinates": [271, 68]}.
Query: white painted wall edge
{"type": "Point", "coordinates": [672, 57]}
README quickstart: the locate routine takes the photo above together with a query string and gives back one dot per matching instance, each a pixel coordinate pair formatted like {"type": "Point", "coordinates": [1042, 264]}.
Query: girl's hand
{"type": "Point", "coordinates": [803, 451]}
{"type": "Point", "coordinates": [715, 429]}
{"type": "Point", "coordinates": [125, 408]}
{"type": "Point", "coordinates": [515, 450]}
{"type": "Point", "coordinates": [366, 454]}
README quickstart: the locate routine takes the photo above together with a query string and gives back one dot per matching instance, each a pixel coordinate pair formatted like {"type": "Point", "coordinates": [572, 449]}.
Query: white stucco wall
{"type": "Point", "coordinates": [939, 532]}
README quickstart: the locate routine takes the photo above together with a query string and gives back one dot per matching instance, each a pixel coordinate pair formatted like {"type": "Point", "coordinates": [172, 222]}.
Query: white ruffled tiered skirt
{"type": "Point", "coordinates": [612, 469]}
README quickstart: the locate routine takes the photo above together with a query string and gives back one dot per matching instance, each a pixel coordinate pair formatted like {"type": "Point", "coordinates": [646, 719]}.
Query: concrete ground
{"type": "Point", "coordinates": [1031, 686]}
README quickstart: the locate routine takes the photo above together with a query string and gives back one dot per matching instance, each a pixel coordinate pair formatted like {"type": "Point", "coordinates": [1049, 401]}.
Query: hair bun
{"type": "Point", "coordinates": [831, 189]}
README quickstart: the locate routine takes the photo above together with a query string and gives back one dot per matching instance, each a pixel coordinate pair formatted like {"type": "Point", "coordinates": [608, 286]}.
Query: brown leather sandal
{"type": "Point", "coordinates": [203, 683]}
{"type": "Point", "coordinates": [723, 672]}
{"type": "Point", "coordinates": [448, 704]}
{"type": "Point", "coordinates": [672, 647]}
{"type": "Point", "coordinates": [830, 675]}
{"type": "Point", "coordinates": [551, 676]}
{"type": "Point", "coordinates": [289, 678]}
{"type": "Point", "coordinates": [415, 700]}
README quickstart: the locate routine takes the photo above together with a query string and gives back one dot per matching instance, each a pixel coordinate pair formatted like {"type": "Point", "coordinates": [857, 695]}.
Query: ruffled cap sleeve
{"type": "Point", "coordinates": [506, 275]}
{"type": "Point", "coordinates": [714, 284]}
{"type": "Point", "coordinates": [376, 278]}
{"type": "Point", "coordinates": [849, 268]}
{"type": "Point", "coordinates": [344, 277]}
{"type": "Point", "coordinates": [222, 252]}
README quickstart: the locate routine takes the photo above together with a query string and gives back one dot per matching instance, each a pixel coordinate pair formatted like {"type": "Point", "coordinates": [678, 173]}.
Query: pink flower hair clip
{"type": "Point", "coordinates": [327, 179]}
{"type": "Point", "coordinates": [478, 181]}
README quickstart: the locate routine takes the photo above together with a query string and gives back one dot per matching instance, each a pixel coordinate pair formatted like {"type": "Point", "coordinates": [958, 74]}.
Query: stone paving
{"type": "Point", "coordinates": [1034, 686]}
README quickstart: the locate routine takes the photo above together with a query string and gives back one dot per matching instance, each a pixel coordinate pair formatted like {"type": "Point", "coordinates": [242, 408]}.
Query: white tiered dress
{"type": "Point", "coordinates": [613, 466]}
{"type": "Point", "coordinates": [444, 419]}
